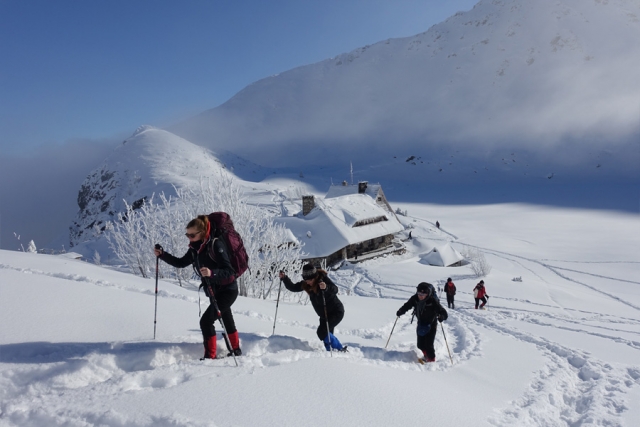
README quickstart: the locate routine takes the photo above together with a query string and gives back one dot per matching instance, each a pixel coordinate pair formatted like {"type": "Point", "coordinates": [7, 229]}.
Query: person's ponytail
{"type": "Point", "coordinates": [201, 223]}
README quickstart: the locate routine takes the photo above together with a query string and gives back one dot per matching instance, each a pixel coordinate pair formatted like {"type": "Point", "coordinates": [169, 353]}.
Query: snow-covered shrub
{"type": "Point", "coordinates": [133, 238]}
{"type": "Point", "coordinates": [31, 247]}
{"type": "Point", "coordinates": [96, 258]}
{"type": "Point", "coordinates": [477, 261]}
{"type": "Point", "coordinates": [517, 279]}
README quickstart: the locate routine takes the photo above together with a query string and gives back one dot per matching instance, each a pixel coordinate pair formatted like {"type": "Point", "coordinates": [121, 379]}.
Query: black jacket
{"type": "Point", "coordinates": [426, 311]}
{"type": "Point", "coordinates": [334, 305]}
{"type": "Point", "coordinates": [212, 254]}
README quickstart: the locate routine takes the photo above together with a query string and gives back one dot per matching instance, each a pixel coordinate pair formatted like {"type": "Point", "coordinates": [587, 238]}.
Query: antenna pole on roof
{"type": "Point", "coordinates": [351, 164]}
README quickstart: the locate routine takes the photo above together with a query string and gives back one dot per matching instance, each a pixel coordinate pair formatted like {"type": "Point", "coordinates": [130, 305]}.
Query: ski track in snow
{"type": "Point", "coordinates": [573, 387]}
{"type": "Point", "coordinates": [555, 270]}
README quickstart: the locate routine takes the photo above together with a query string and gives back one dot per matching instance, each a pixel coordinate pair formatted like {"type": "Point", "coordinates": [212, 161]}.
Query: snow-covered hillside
{"type": "Point", "coordinates": [559, 348]}
{"type": "Point", "coordinates": [553, 78]}
{"type": "Point", "coordinates": [150, 161]}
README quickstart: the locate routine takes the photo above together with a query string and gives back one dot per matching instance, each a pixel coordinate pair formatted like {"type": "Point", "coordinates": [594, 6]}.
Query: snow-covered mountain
{"type": "Point", "coordinates": [554, 77]}
{"type": "Point", "coordinates": [150, 161]}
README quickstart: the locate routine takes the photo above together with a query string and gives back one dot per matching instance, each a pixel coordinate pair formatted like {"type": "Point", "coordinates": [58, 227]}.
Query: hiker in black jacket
{"type": "Point", "coordinates": [321, 290]}
{"type": "Point", "coordinates": [210, 259]}
{"type": "Point", "coordinates": [429, 312]}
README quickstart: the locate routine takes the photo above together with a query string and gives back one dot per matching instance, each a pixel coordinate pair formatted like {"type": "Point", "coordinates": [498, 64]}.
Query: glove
{"type": "Point", "coordinates": [398, 314]}
{"type": "Point", "coordinates": [442, 317]}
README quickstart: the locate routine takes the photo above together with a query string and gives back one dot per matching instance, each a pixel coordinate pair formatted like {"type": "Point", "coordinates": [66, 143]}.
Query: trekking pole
{"type": "Point", "coordinates": [155, 314]}
{"type": "Point", "coordinates": [394, 326]}
{"type": "Point", "coordinates": [447, 344]}
{"type": "Point", "coordinates": [277, 302]}
{"type": "Point", "coordinates": [214, 303]}
{"type": "Point", "coordinates": [326, 318]}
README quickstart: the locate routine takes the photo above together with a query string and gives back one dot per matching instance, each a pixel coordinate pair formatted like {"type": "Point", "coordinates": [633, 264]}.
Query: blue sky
{"type": "Point", "coordinates": [74, 70]}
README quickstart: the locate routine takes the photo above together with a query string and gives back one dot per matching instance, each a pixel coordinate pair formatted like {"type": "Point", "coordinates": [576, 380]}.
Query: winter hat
{"type": "Point", "coordinates": [449, 279]}
{"type": "Point", "coordinates": [424, 287]}
{"type": "Point", "coordinates": [309, 271]}
{"type": "Point", "coordinates": [482, 281]}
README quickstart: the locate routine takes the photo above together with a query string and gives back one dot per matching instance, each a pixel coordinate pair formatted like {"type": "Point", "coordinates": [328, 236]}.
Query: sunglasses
{"type": "Point", "coordinates": [192, 235]}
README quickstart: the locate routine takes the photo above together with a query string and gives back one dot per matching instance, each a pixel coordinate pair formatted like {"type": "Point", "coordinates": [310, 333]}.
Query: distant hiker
{"type": "Point", "coordinates": [450, 290]}
{"type": "Point", "coordinates": [428, 311]}
{"type": "Point", "coordinates": [410, 236]}
{"type": "Point", "coordinates": [480, 293]}
{"type": "Point", "coordinates": [323, 294]}
{"type": "Point", "coordinates": [437, 224]}
{"type": "Point", "coordinates": [210, 259]}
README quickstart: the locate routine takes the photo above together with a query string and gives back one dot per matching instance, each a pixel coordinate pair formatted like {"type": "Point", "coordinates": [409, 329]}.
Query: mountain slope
{"type": "Point", "coordinates": [536, 75]}
{"type": "Point", "coordinates": [150, 161]}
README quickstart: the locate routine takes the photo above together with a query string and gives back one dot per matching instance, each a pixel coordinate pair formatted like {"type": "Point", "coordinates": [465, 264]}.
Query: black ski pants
{"type": "Point", "coordinates": [207, 322]}
{"type": "Point", "coordinates": [334, 318]}
{"type": "Point", "coordinates": [450, 301]}
{"type": "Point", "coordinates": [483, 299]}
{"type": "Point", "coordinates": [425, 343]}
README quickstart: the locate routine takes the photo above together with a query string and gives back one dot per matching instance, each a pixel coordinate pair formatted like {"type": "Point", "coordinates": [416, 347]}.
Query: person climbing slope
{"type": "Point", "coordinates": [429, 312]}
{"type": "Point", "coordinates": [323, 294]}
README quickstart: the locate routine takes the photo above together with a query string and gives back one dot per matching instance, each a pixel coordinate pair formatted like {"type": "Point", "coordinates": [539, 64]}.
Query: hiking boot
{"type": "Point", "coordinates": [431, 359]}
{"type": "Point", "coordinates": [236, 352]}
{"type": "Point", "coordinates": [344, 349]}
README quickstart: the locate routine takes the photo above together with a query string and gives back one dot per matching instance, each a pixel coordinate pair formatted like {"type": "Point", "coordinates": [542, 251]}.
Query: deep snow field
{"type": "Point", "coordinates": [560, 348]}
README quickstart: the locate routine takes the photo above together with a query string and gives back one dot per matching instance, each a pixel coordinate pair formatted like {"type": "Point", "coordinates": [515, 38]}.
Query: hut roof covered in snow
{"type": "Point", "coordinates": [444, 255]}
{"type": "Point", "coordinates": [339, 222]}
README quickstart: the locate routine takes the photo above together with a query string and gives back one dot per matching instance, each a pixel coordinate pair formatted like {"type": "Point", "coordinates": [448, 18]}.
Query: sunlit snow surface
{"type": "Point", "coordinates": [562, 347]}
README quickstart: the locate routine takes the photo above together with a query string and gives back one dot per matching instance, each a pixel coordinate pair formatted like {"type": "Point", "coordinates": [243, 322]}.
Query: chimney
{"type": "Point", "coordinates": [308, 203]}
{"type": "Point", "coordinates": [362, 186]}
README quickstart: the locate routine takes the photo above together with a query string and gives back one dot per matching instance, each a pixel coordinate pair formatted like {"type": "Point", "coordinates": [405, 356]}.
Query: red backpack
{"type": "Point", "coordinates": [222, 227]}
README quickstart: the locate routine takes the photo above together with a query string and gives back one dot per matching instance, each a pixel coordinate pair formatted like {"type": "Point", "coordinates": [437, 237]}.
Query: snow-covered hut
{"type": "Point", "coordinates": [363, 187]}
{"type": "Point", "coordinates": [444, 256]}
{"type": "Point", "coordinates": [343, 227]}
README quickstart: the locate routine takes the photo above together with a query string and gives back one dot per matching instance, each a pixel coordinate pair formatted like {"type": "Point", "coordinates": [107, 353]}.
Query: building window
{"type": "Point", "coordinates": [370, 221]}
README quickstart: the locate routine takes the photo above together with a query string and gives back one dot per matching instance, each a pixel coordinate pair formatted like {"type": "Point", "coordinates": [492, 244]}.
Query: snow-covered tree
{"type": "Point", "coordinates": [133, 238]}
{"type": "Point", "coordinates": [96, 258]}
{"type": "Point", "coordinates": [477, 261]}
{"type": "Point", "coordinates": [31, 247]}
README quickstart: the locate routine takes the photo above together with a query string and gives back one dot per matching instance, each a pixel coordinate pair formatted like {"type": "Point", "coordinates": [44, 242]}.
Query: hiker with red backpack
{"type": "Point", "coordinates": [450, 290]}
{"type": "Point", "coordinates": [323, 294]}
{"type": "Point", "coordinates": [428, 311]}
{"type": "Point", "coordinates": [211, 259]}
{"type": "Point", "coordinates": [480, 294]}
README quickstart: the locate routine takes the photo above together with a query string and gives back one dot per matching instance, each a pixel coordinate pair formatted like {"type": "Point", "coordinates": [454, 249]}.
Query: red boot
{"type": "Point", "coordinates": [234, 340]}
{"type": "Point", "coordinates": [210, 348]}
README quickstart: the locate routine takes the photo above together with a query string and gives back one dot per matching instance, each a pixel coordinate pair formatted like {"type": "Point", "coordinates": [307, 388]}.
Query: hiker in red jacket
{"type": "Point", "coordinates": [450, 290]}
{"type": "Point", "coordinates": [480, 293]}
